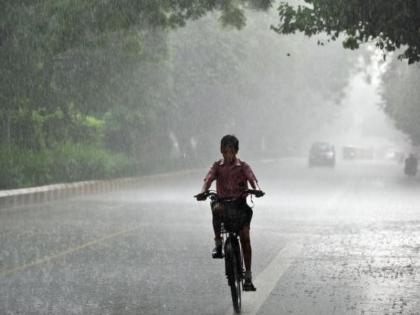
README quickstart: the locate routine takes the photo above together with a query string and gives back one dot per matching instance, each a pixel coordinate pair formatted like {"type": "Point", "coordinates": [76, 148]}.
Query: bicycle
{"type": "Point", "coordinates": [231, 225]}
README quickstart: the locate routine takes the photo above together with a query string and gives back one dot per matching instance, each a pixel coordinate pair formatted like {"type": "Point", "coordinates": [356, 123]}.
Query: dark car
{"type": "Point", "coordinates": [410, 165]}
{"type": "Point", "coordinates": [321, 154]}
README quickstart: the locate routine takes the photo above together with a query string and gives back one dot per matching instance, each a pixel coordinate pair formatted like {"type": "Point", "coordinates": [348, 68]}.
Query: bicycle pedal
{"type": "Point", "coordinates": [249, 287]}
{"type": "Point", "coordinates": [218, 255]}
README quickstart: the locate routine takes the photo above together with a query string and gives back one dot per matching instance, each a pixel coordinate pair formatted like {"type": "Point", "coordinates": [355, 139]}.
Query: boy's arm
{"type": "Point", "coordinates": [210, 177]}
{"type": "Point", "coordinates": [254, 185]}
{"type": "Point", "coordinates": [205, 187]}
{"type": "Point", "coordinates": [251, 177]}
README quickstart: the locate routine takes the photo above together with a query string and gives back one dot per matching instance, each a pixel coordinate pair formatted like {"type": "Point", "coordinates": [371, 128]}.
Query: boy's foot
{"type": "Point", "coordinates": [249, 286]}
{"type": "Point", "coordinates": [217, 252]}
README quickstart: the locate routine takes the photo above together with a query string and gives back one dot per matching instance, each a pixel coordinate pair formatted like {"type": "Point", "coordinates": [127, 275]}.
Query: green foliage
{"type": "Point", "coordinates": [65, 163]}
{"type": "Point", "coordinates": [401, 98]}
{"type": "Point", "coordinates": [73, 162]}
{"type": "Point", "coordinates": [350, 43]}
{"type": "Point", "coordinates": [23, 168]}
{"type": "Point", "coordinates": [41, 129]}
{"type": "Point", "coordinates": [100, 89]}
{"type": "Point", "coordinates": [233, 16]}
{"type": "Point", "coordinates": [11, 169]}
{"type": "Point", "coordinates": [392, 24]}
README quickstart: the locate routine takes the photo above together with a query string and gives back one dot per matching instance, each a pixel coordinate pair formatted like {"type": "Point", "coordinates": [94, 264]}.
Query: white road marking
{"type": "Point", "coordinates": [268, 278]}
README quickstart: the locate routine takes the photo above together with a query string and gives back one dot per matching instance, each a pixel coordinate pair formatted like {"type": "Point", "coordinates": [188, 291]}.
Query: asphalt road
{"type": "Point", "coordinates": [342, 241]}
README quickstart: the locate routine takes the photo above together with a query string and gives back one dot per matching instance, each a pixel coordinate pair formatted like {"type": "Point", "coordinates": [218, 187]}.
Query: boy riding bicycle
{"type": "Point", "coordinates": [232, 176]}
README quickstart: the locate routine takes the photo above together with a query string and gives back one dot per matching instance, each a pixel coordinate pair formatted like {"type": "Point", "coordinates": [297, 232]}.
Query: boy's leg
{"type": "Point", "coordinates": [247, 250]}
{"type": "Point", "coordinates": [246, 247]}
{"type": "Point", "coordinates": [217, 228]}
{"type": "Point", "coordinates": [245, 238]}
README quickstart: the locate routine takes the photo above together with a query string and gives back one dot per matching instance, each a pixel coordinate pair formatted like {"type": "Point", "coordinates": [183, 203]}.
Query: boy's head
{"type": "Point", "coordinates": [229, 147]}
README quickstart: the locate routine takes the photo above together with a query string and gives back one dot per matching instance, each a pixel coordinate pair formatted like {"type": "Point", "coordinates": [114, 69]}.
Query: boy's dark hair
{"type": "Point", "coordinates": [229, 141]}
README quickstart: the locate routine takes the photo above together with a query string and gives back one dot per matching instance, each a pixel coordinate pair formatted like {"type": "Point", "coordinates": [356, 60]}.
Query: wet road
{"type": "Point", "coordinates": [343, 241]}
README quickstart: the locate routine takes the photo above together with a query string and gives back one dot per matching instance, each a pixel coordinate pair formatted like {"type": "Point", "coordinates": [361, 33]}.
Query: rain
{"type": "Point", "coordinates": [113, 117]}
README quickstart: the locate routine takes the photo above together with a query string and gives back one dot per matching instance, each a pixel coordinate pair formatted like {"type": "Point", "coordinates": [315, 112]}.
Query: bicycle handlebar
{"type": "Point", "coordinates": [203, 196]}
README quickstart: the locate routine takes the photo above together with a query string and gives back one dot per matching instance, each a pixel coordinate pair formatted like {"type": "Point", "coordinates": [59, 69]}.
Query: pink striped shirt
{"type": "Point", "coordinates": [231, 180]}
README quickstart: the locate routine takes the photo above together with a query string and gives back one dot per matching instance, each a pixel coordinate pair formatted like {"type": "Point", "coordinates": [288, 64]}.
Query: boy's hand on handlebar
{"type": "Point", "coordinates": [201, 196]}
{"type": "Point", "coordinates": [259, 193]}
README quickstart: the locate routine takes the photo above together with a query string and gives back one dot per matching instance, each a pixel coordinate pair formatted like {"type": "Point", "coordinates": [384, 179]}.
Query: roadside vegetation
{"type": "Point", "coordinates": [94, 90]}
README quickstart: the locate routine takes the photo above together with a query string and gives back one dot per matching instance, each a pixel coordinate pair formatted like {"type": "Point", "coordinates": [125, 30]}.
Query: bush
{"type": "Point", "coordinates": [66, 163]}
{"type": "Point", "coordinates": [72, 162]}
{"type": "Point", "coordinates": [11, 170]}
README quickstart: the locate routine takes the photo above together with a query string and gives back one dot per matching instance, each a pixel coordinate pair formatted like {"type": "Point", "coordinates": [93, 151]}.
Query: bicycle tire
{"type": "Point", "coordinates": [233, 275]}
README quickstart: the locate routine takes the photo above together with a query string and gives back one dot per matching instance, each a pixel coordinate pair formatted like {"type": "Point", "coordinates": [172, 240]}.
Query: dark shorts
{"type": "Point", "coordinates": [244, 209]}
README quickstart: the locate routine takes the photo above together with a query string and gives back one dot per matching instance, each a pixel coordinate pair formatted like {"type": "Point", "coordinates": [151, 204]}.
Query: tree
{"type": "Point", "coordinates": [263, 87]}
{"type": "Point", "coordinates": [392, 24]}
{"type": "Point", "coordinates": [44, 44]}
{"type": "Point", "coordinates": [401, 98]}
{"type": "Point", "coordinates": [88, 74]}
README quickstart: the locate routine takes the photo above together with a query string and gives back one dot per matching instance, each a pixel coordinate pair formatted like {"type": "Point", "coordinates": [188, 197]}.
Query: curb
{"type": "Point", "coordinates": [25, 196]}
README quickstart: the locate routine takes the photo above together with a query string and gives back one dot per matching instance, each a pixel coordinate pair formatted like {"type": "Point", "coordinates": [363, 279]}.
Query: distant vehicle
{"type": "Point", "coordinates": [410, 165]}
{"type": "Point", "coordinates": [321, 154]}
{"type": "Point", "coordinates": [351, 152]}
{"type": "Point", "coordinates": [394, 155]}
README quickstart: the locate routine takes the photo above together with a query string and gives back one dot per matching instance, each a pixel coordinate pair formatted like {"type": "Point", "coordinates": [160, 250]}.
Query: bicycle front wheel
{"type": "Point", "coordinates": [234, 277]}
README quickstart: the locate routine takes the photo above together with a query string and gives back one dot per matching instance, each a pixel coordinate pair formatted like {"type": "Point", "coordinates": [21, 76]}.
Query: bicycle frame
{"type": "Point", "coordinates": [233, 255]}
{"type": "Point", "coordinates": [231, 225]}
{"type": "Point", "coordinates": [232, 247]}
